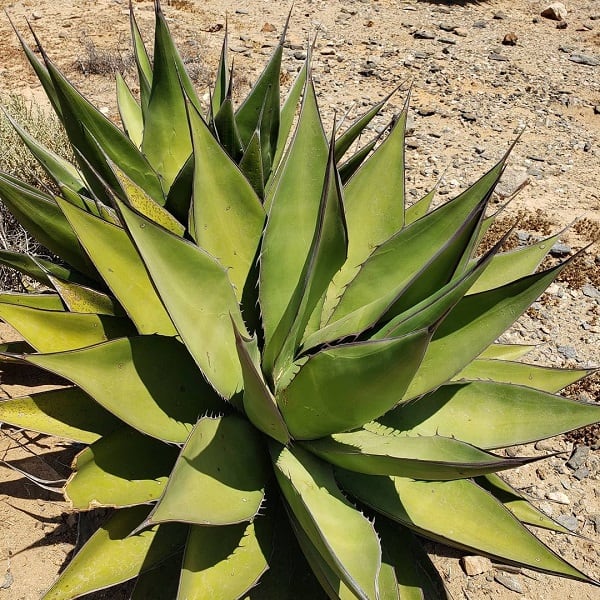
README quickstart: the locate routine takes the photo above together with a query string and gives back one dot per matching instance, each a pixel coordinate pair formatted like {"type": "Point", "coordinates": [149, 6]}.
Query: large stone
{"type": "Point", "coordinates": [475, 565]}
{"type": "Point", "coordinates": [556, 11]}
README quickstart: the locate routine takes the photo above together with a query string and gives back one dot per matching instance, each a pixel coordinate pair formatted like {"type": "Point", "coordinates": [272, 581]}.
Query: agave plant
{"type": "Point", "coordinates": [283, 377]}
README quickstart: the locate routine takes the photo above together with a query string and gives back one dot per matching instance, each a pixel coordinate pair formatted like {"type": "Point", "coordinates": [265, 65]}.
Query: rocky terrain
{"type": "Point", "coordinates": [480, 74]}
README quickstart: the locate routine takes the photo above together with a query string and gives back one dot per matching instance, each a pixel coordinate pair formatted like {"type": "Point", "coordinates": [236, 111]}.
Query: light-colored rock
{"type": "Point", "coordinates": [475, 565]}
{"type": "Point", "coordinates": [558, 497]}
{"type": "Point", "coordinates": [556, 11]}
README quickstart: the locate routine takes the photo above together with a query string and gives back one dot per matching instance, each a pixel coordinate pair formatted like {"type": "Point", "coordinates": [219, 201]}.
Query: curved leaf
{"type": "Point", "coordinates": [150, 382]}
{"type": "Point", "coordinates": [342, 536]}
{"type": "Point", "coordinates": [343, 387]}
{"type": "Point", "coordinates": [221, 189]}
{"type": "Point", "coordinates": [65, 413]}
{"type": "Point", "coordinates": [458, 513]}
{"type": "Point", "coordinates": [42, 301]}
{"type": "Point", "coordinates": [198, 295]}
{"type": "Point", "coordinates": [225, 562]}
{"type": "Point", "coordinates": [219, 477]}
{"type": "Point", "coordinates": [56, 331]}
{"type": "Point", "coordinates": [547, 379]}
{"type": "Point", "coordinates": [115, 554]}
{"type": "Point", "coordinates": [103, 478]}
{"type": "Point", "coordinates": [130, 112]}
{"type": "Point", "coordinates": [379, 452]}
{"type": "Point", "coordinates": [491, 415]}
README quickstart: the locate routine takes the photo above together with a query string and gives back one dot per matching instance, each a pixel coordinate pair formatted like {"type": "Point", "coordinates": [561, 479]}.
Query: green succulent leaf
{"type": "Point", "coordinates": [220, 189]}
{"type": "Point", "coordinates": [490, 415]}
{"type": "Point", "coordinates": [293, 211]}
{"type": "Point", "coordinates": [179, 199]}
{"type": "Point", "coordinates": [115, 554]}
{"type": "Point", "coordinates": [458, 513]}
{"type": "Point", "coordinates": [130, 112]}
{"type": "Point", "coordinates": [103, 478]}
{"type": "Point", "coordinates": [417, 577]}
{"type": "Point", "coordinates": [84, 299]}
{"type": "Point", "coordinates": [472, 325]}
{"type": "Point", "coordinates": [225, 562]}
{"type": "Point", "coordinates": [251, 165]}
{"type": "Point", "coordinates": [341, 388]}
{"type": "Point", "coordinates": [39, 214]}
{"type": "Point", "coordinates": [161, 582]}
{"type": "Point", "coordinates": [547, 379]}
{"type": "Point", "coordinates": [198, 295]}
{"type": "Point", "coordinates": [258, 401]}
{"type": "Point", "coordinates": [508, 266]}
{"type": "Point", "coordinates": [166, 141]}
{"type": "Point", "coordinates": [56, 331]}
{"type": "Point", "coordinates": [380, 452]}
{"type": "Point", "coordinates": [371, 223]}
{"type": "Point", "coordinates": [142, 60]}
{"type": "Point", "coordinates": [117, 259]}
{"type": "Point", "coordinates": [349, 167]}
{"type": "Point", "coordinates": [42, 301]}
{"type": "Point", "coordinates": [517, 504]}
{"type": "Point", "coordinates": [506, 351]}
{"type": "Point", "coordinates": [287, 114]}
{"type": "Point", "coordinates": [86, 126]}
{"type": "Point", "coordinates": [219, 477]}
{"type": "Point", "coordinates": [150, 382]}
{"type": "Point", "coordinates": [37, 268]}
{"type": "Point", "coordinates": [66, 413]}
{"type": "Point", "coordinates": [326, 255]}
{"type": "Point", "coordinates": [420, 208]}
{"type": "Point", "coordinates": [222, 82]}
{"type": "Point", "coordinates": [342, 536]}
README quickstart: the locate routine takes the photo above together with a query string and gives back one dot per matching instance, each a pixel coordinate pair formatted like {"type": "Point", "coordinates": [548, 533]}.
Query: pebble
{"type": "Point", "coordinates": [460, 32]}
{"type": "Point", "coordinates": [581, 473]}
{"type": "Point", "coordinates": [559, 249]}
{"type": "Point", "coordinates": [497, 56]}
{"type": "Point", "coordinates": [568, 352]}
{"type": "Point", "coordinates": [590, 291]}
{"type": "Point", "coordinates": [556, 11]}
{"type": "Point", "coordinates": [512, 180]}
{"type": "Point", "coordinates": [595, 519]}
{"type": "Point", "coordinates": [475, 565]}
{"type": "Point", "coordinates": [422, 34]}
{"type": "Point", "coordinates": [558, 497]}
{"type": "Point", "coordinates": [578, 456]}
{"type": "Point", "coordinates": [509, 582]}
{"type": "Point", "coordinates": [510, 39]}
{"type": "Point", "coordinates": [570, 522]}
{"type": "Point", "coordinates": [584, 59]}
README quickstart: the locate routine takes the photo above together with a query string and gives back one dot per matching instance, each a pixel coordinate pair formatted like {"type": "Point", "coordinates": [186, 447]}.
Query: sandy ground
{"type": "Point", "coordinates": [471, 95]}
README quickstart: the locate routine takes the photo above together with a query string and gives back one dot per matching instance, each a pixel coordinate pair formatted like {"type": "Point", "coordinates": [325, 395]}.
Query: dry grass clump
{"type": "Point", "coordinates": [16, 160]}
{"type": "Point", "coordinates": [101, 61]}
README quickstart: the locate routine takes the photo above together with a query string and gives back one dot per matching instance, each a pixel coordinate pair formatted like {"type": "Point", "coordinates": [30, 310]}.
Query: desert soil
{"type": "Point", "coordinates": [472, 95]}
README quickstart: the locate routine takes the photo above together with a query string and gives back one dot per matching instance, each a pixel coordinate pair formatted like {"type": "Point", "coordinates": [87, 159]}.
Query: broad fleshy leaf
{"type": "Point", "coordinates": [150, 382]}
{"type": "Point", "coordinates": [219, 477]}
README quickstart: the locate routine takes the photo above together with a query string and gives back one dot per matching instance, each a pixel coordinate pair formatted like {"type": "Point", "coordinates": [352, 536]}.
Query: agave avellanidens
{"type": "Point", "coordinates": [281, 374]}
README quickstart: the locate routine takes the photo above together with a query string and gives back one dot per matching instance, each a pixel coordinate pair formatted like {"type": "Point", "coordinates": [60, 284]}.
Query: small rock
{"type": "Point", "coordinates": [36, 15]}
{"type": "Point", "coordinates": [595, 519]}
{"type": "Point", "coordinates": [469, 116]}
{"type": "Point", "coordinates": [460, 32]}
{"type": "Point", "coordinates": [500, 15]}
{"type": "Point", "coordinates": [422, 34]}
{"type": "Point", "coordinates": [512, 181]}
{"type": "Point", "coordinates": [509, 582]}
{"type": "Point", "coordinates": [556, 11]}
{"type": "Point", "coordinates": [562, 25]}
{"type": "Point", "coordinates": [560, 249]}
{"type": "Point", "coordinates": [475, 565]}
{"type": "Point", "coordinates": [570, 522]}
{"type": "Point", "coordinates": [590, 291]}
{"type": "Point", "coordinates": [581, 473]}
{"type": "Point", "coordinates": [584, 59]}
{"type": "Point", "coordinates": [300, 55]}
{"type": "Point", "coordinates": [426, 111]}
{"type": "Point", "coordinates": [447, 27]}
{"type": "Point", "coordinates": [268, 28]}
{"type": "Point", "coordinates": [578, 457]}
{"type": "Point", "coordinates": [510, 39]}
{"type": "Point", "coordinates": [523, 237]}
{"type": "Point", "coordinates": [497, 56]}
{"type": "Point", "coordinates": [8, 581]}
{"type": "Point", "coordinates": [480, 24]}
{"type": "Point", "coordinates": [597, 109]}
{"type": "Point", "coordinates": [568, 352]}
{"type": "Point", "coordinates": [558, 497]}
